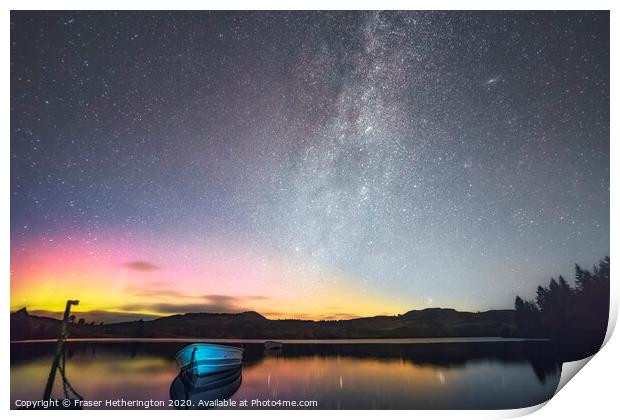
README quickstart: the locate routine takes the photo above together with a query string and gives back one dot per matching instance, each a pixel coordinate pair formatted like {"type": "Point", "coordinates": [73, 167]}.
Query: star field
{"type": "Point", "coordinates": [404, 158]}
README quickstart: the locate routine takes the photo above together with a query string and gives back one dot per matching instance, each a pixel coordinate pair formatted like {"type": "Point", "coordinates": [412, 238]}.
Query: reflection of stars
{"type": "Point", "coordinates": [441, 377]}
{"type": "Point", "coordinates": [493, 80]}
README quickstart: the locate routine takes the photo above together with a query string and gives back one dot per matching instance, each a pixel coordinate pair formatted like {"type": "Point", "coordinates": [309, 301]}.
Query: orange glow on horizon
{"type": "Point", "coordinates": [129, 277]}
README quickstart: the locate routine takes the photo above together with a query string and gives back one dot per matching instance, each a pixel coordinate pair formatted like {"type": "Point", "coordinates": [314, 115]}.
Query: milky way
{"type": "Point", "coordinates": [439, 159]}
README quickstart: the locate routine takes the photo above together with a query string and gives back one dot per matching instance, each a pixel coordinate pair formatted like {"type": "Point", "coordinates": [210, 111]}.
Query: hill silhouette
{"type": "Point", "coordinates": [432, 322]}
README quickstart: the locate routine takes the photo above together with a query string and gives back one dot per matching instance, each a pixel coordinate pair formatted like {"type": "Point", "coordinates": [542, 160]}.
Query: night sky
{"type": "Point", "coordinates": [313, 165]}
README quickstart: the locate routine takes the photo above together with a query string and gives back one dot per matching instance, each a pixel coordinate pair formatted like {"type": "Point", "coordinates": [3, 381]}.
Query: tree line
{"type": "Point", "coordinates": [563, 312]}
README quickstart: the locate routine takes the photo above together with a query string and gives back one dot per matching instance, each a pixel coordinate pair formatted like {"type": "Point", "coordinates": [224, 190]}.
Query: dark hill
{"type": "Point", "coordinates": [434, 322]}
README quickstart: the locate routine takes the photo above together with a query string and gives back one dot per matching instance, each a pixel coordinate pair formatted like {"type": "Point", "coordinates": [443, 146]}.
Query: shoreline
{"type": "Point", "coordinates": [428, 340]}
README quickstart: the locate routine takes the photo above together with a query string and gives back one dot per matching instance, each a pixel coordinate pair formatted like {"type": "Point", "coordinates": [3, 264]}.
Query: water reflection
{"type": "Point", "coordinates": [423, 376]}
{"type": "Point", "coordinates": [194, 389]}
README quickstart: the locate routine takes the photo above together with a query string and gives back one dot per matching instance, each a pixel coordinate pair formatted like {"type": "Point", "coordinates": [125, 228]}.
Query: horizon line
{"type": "Point", "coordinates": [50, 314]}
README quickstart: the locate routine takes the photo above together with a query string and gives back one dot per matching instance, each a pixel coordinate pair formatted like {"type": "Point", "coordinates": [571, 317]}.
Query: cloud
{"type": "Point", "coordinates": [224, 301]}
{"type": "Point", "coordinates": [139, 265]}
{"type": "Point", "coordinates": [161, 289]}
{"type": "Point", "coordinates": [212, 303]}
{"type": "Point", "coordinates": [136, 291]}
{"type": "Point", "coordinates": [182, 308]}
{"type": "Point", "coordinates": [98, 316]}
{"type": "Point", "coordinates": [233, 299]}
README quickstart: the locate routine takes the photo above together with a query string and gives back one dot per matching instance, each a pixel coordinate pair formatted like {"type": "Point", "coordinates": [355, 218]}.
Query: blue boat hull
{"type": "Point", "coordinates": [206, 359]}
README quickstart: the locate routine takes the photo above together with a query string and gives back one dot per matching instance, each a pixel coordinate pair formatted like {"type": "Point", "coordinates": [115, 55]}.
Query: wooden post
{"type": "Point", "coordinates": [62, 335]}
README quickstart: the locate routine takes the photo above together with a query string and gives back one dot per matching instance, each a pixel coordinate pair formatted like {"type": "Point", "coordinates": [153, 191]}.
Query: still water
{"type": "Point", "coordinates": [461, 374]}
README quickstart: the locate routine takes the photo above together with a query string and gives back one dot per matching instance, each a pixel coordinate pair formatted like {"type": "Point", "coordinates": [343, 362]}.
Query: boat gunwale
{"type": "Point", "coordinates": [220, 346]}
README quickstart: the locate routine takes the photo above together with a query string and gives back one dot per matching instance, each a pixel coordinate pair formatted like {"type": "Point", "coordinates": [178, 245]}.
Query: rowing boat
{"type": "Point", "coordinates": [205, 359]}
